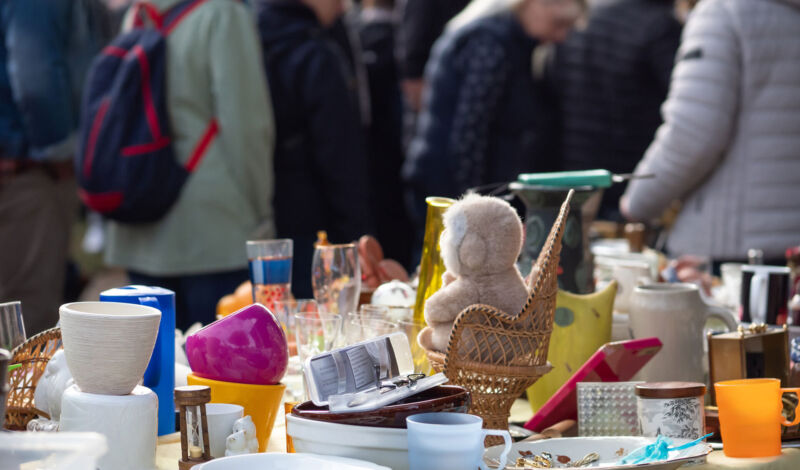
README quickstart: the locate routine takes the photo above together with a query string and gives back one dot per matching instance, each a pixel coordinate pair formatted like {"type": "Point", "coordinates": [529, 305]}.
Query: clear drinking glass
{"type": "Point", "coordinates": [364, 328]}
{"type": "Point", "coordinates": [375, 311]}
{"type": "Point", "coordinates": [12, 327]}
{"type": "Point", "coordinates": [412, 329]}
{"type": "Point", "coordinates": [315, 333]}
{"type": "Point", "coordinates": [285, 310]}
{"type": "Point", "coordinates": [401, 314]}
{"type": "Point", "coordinates": [336, 278]}
{"type": "Point", "coordinates": [270, 270]}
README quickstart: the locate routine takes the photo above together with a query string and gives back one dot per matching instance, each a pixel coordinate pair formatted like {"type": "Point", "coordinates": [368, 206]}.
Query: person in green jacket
{"type": "Point", "coordinates": [215, 90]}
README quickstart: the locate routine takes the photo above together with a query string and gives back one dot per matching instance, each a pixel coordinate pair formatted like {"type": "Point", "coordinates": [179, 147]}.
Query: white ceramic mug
{"type": "Point", "coordinates": [450, 441]}
{"type": "Point", "coordinates": [629, 275]}
{"type": "Point", "coordinates": [764, 293]}
{"type": "Point", "coordinates": [220, 418]}
{"type": "Point", "coordinates": [676, 314]}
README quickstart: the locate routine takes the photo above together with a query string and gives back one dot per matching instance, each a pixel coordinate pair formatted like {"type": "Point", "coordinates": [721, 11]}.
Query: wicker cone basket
{"type": "Point", "coordinates": [496, 355]}
{"type": "Point", "coordinates": [33, 354]}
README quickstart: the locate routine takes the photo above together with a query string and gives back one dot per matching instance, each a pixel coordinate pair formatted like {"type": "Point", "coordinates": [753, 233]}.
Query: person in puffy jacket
{"type": "Point", "coordinates": [486, 118]}
{"type": "Point", "coordinates": [729, 147]}
{"type": "Point", "coordinates": [612, 77]}
{"type": "Point", "coordinates": [320, 156]}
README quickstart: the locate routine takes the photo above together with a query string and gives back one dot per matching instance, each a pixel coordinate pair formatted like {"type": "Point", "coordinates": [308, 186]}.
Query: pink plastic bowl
{"type": "Point", "coordinates": [248, 346]}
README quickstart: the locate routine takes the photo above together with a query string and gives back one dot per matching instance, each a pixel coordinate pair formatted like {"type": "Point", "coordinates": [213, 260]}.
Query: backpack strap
{"type": "Point", "coordinates": [176, 14]}
{"type": "Point", "coordinates": [146, 11]}
{"type": "Point", "coordinates": [164, 22]}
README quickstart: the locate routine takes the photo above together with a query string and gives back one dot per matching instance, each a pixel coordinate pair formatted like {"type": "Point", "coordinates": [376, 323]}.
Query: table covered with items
{"type": "Point", "coordinates": [535, 344]}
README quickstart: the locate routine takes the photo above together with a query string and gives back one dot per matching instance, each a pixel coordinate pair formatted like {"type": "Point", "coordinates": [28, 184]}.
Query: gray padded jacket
{"type": "Point", "coordinates": [729, 147]}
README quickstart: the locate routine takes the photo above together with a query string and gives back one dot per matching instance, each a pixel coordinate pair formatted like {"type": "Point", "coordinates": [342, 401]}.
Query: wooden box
{"type": "Point", "coordinates": [750, 353]}
{"type": "Point", "coordinates": [754, 352]}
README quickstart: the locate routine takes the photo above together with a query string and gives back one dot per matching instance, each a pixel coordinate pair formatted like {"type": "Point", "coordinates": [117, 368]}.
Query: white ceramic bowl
{"type": "Point", "coordinates": [107, 344]}
{"type": "Point", "coordinates": [382, 446]}
{"type": "Point", "coordinates": [288, 462]}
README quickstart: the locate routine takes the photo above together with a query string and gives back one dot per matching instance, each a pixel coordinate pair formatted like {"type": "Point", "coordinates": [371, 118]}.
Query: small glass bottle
{"type": "Point", "coordinates": [755, 256]}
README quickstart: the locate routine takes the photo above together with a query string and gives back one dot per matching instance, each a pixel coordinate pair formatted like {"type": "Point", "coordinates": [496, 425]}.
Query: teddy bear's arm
{"type": "Point", "coordinates": [445, 305]}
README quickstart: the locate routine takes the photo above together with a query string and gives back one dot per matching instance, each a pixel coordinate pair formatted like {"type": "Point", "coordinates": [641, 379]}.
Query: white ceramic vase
{"type": "Point", "coordinates": [107, 344]}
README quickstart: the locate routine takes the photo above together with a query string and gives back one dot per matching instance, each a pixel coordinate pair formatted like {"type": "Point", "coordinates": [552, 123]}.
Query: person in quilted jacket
{"type": "Point", "coordinates": [729, 145]}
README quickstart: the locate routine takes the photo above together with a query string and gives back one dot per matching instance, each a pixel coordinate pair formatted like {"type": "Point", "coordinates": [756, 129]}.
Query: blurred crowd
{"type": "Point", "coordinates": [304, 115]}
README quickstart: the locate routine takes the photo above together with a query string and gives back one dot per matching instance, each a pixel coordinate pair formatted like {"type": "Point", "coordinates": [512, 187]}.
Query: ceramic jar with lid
{"type": "Point", "coordinates": [672, 409]}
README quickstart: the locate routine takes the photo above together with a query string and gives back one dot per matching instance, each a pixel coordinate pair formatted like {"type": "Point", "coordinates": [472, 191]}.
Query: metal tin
{"type": "Point", "coordinates": [671, 409]}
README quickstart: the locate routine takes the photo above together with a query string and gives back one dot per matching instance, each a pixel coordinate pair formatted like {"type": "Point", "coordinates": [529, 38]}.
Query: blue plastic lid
{"type": "Point", "coordinates": [135, 291]}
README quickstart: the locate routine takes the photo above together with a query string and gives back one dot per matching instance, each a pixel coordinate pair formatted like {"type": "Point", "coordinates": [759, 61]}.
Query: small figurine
{"type": "Point", "coordinates": [42, 425]}
{"type": "Point", "coordinates": [243, 439]}
{"type": "Point", "coordinates": [236, 444]}
{"type": "Point", "coordinates": [50, 388]}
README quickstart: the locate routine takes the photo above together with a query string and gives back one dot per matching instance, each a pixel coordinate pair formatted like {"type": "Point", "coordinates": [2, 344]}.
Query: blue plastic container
{"type": "Point", "coordinates": [160, 373]}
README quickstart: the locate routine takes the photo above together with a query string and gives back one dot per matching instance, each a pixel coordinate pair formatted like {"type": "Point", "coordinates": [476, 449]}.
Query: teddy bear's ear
{"type": "Point", "coordinates": [472, 251]}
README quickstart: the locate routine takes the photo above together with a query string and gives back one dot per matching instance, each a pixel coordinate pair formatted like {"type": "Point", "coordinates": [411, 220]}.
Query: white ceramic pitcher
{"type": "Point", "coordinates": [676, 314]}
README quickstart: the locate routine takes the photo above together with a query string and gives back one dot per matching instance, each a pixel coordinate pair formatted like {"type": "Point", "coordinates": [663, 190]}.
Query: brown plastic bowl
{"type": "Point", "coordinates": [444, 398]}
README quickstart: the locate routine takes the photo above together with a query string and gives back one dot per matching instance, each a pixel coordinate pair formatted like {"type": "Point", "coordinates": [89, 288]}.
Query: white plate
{"type": "Point", "coordinates": [610, 449]}
{"type": "Point", "coordinates": [288, 462]}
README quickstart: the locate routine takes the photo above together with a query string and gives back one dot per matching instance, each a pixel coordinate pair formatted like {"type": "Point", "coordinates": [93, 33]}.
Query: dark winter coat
{"type": "Point", "coordinates": [320, 160]}
{"type": "Point", "coordinates": [613, 76]}
{"type": "Point", "coordinates": [422, 24]}
{"type": "Point", "coordinates": [485, 118]}
{"type": "Point", "coordinates": [385, 139]}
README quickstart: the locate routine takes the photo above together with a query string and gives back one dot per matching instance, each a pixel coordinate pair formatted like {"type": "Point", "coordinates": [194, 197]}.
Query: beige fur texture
{"type": "Point", "coordinates": [481, 241]}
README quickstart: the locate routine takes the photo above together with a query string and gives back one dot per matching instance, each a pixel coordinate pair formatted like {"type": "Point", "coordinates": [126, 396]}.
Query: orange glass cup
{"type": "Point", "coordinates": [750, 416]}
{"type": "Point", "coordinates": [287, 410]}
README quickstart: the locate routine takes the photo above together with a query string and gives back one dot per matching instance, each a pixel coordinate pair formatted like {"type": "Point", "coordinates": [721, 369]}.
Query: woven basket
{"type": "Point", "coordinates": [33, 354]}
{"type": "Point", "coordinates": [496, 355]}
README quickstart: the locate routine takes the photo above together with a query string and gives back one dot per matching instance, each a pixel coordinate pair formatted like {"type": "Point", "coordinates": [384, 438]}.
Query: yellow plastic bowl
{"type": "Point", "coordinates": [261, 402]}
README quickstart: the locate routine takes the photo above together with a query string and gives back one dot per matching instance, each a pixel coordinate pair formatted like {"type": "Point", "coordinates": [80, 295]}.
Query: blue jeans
{"type": "Point", "coordinates": [196, 296]}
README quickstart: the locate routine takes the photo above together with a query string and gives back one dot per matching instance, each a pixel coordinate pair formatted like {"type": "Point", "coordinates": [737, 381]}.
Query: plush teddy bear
{"type": "Point", "coordinates": [481, 241]}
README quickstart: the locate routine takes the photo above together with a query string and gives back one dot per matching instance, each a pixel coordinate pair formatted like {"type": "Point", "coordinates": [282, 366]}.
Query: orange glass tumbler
{"type": "Point", "coordinates": [750, 416]}
{"type": "Point", "coordinates": [287, 410]}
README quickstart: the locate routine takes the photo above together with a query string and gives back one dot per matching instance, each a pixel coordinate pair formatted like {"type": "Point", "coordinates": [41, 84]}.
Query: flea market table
{"type": "Point", "coordinates": [169, 451]}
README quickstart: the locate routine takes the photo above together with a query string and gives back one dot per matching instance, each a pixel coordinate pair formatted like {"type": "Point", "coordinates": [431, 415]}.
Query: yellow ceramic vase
{"type": "Point", "coordinates": [581, 325]}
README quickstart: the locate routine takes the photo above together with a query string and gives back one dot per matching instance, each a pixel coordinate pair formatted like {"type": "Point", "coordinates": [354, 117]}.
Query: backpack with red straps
{"type": "Point", "coordinates": [126, 167]}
